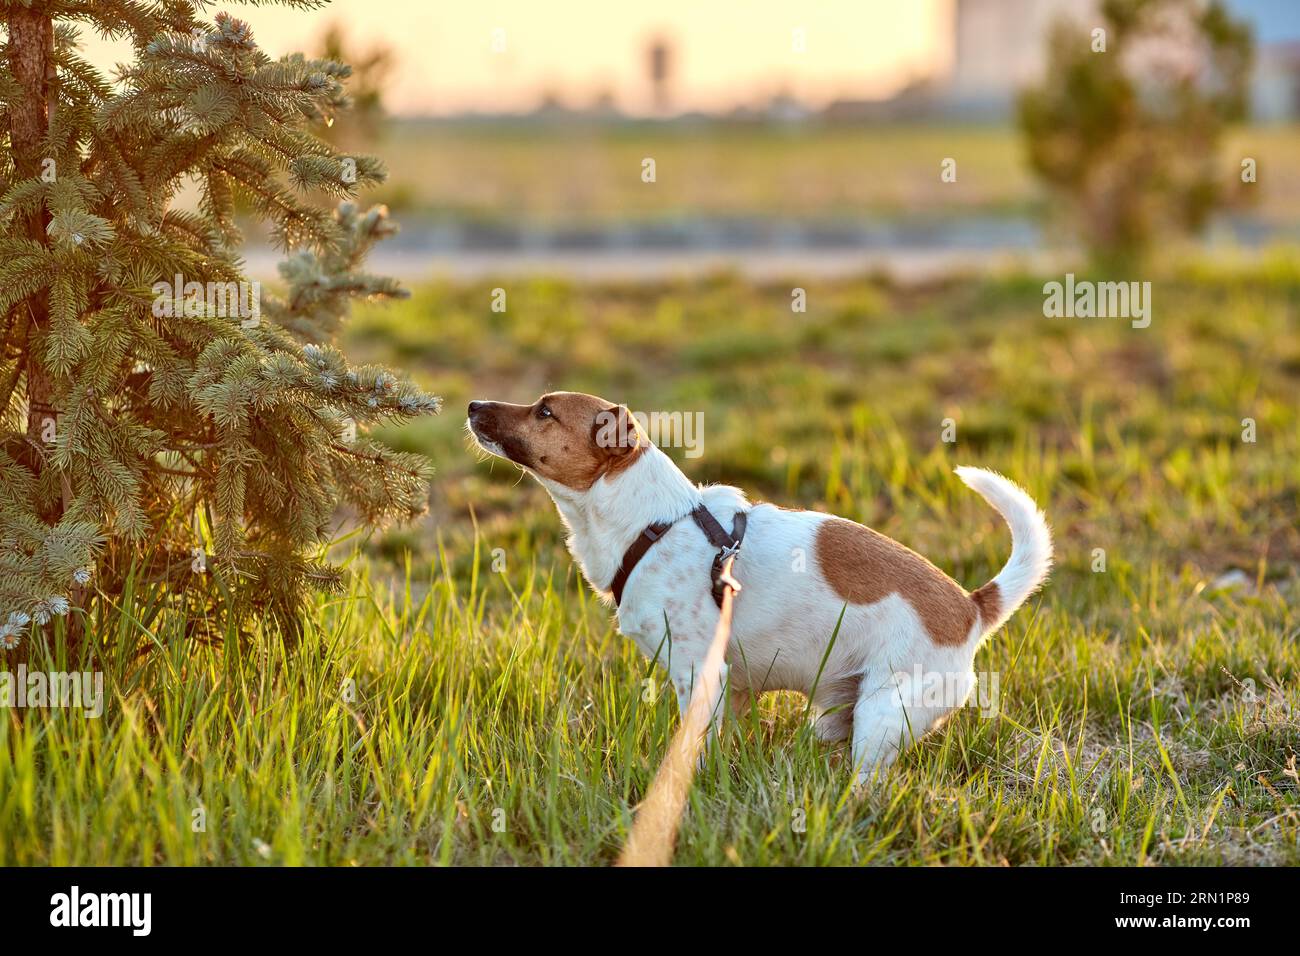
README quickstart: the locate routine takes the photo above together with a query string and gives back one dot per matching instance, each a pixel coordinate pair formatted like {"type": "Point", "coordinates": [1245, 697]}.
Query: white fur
{"type": "Point", "coordinates": [787, 613]}
{"type": "Point", "coordinates": [1031, 541]}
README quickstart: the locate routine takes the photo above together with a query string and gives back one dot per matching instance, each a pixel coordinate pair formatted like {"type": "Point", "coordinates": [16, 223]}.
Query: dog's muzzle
{"type": "Point", "coordinates": [484, 426]}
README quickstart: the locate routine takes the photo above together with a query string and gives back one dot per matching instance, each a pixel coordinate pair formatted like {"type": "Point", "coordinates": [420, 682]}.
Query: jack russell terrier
{"type": "Point", "coordinates": [624, 502]}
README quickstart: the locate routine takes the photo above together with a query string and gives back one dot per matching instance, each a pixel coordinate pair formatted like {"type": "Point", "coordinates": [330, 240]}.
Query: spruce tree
{"type": "Point", "coordinates": [165, 421]}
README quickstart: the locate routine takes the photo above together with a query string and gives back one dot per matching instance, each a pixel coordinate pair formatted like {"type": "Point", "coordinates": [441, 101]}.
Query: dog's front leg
{"type": "Point", "coordinates": [680, 642]}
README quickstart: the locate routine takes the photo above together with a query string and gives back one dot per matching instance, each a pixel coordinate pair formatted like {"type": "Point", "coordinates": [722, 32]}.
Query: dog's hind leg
{"type": "Point", "coordinates": [880, 730]}
{"type": "Point", "coordinates": [893, 711]}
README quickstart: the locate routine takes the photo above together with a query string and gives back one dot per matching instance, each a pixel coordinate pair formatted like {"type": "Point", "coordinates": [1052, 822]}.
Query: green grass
{"type": "Point", "coordinates": [1145, 716]}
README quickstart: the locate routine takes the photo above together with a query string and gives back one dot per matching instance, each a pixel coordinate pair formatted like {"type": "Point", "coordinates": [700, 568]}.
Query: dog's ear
{"type": "Point", "coordinates": [616, 431]}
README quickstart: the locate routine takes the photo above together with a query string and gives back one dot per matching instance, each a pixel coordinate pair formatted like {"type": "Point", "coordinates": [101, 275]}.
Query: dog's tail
{"type": "Point", "coordinates": [1031, 548]}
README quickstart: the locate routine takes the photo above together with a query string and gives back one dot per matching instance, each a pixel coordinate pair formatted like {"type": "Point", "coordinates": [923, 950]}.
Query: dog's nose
{"type": "Point", "coordinates": [475, 406]}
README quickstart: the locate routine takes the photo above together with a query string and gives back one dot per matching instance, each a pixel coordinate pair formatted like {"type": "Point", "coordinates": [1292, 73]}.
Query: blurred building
{"type": "Point", "coordinates": [999, 46]}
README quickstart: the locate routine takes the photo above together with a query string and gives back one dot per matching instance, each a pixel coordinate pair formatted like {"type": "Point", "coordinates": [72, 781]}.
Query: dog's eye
{"type": "Point", "coordinates": [545, 412]}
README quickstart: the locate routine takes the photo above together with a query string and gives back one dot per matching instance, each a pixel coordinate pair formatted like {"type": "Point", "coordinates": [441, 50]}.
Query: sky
{"type": "Point", "coordinates": [726, 52]}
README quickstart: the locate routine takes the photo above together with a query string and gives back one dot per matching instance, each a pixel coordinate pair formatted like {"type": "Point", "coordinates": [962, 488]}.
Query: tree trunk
{"type": "Point", "coordinates": [31, 63]}
{"type": "Point", "coordinates": [31, 45]}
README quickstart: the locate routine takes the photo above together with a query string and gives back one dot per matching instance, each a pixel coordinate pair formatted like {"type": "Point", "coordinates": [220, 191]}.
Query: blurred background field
{"type": "Point", "coordinates": [588, 173]}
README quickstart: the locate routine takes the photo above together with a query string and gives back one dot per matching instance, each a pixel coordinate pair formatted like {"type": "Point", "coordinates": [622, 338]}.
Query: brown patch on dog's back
{"type": "Point", "coordinates": [864, 566]}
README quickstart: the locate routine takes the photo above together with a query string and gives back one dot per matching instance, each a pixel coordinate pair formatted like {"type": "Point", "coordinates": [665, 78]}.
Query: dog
{"type": "Point", "coordinates": [805, 576]}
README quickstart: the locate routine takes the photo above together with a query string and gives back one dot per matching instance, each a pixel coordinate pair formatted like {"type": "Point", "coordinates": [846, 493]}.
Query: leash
{"type": "Point", "coordinates": [728, 546]}
{"type": "Point", "coordinates": [654, 832]}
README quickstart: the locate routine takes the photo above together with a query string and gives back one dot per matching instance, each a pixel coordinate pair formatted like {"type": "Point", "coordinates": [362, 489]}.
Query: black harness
{"type": "Point", "coordinates": [727, 545]}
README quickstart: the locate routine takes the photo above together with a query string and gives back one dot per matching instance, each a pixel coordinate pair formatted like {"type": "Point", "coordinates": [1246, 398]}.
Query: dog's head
{"type": "Point", "coordinates": [565, 437]}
